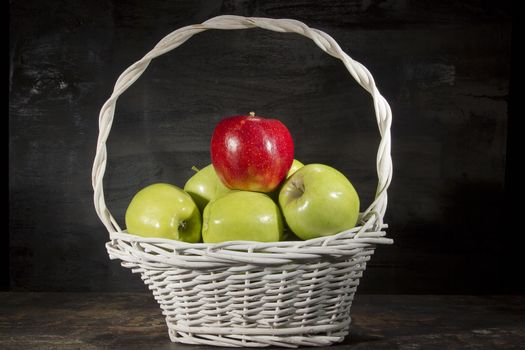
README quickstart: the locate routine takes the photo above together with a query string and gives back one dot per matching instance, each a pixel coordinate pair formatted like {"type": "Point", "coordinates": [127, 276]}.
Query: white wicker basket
{"type": "Point", "coordinates": [250, 294]}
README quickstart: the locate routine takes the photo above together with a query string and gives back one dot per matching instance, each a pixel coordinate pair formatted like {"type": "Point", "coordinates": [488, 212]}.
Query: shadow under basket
{"type": "Point", "coordinates": [251, 294]}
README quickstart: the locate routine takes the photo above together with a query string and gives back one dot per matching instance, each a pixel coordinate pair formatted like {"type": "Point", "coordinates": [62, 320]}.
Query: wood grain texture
{"type": "Point", "coordinates": [444, 67]}
{"type": "Point", "coordinates": [133, 321]}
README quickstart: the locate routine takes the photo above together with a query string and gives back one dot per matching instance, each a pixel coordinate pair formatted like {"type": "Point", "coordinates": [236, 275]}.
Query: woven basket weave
{"type": "Point", "coordinates": [250, 294]}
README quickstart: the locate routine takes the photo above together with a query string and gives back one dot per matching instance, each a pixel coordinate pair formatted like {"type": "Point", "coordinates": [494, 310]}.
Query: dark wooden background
{"type": "Point", "coordinates": [443, 65]}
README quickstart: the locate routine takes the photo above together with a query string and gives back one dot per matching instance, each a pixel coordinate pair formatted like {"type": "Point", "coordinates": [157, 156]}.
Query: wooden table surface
{"type": "Point", "coordinates": [133, 321]}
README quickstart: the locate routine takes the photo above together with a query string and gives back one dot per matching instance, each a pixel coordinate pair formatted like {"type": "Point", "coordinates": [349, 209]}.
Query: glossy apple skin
{"type": "Point", "coordinates": [164, 211]}
{"type": "Point", "coordinates": [295, 166]}
{"type": "Point", "coordinates": [205, 186]}
{"type": "Point", "coordinates": [242, 216]}
{"type": "Point", "coordinates": [251, 153]}
{"type": "Point", "coordinates": [318, 200]}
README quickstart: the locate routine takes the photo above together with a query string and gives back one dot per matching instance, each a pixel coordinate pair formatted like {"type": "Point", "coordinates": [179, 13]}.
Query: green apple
{"type": "Point", "coordinates": [164, 211]}
{"type": "Point", "coordinates": [295, 166]}
{"type": "Point", "coordinates": [317, 200]}
{"type": "Point", "coordinates": [204, 186]}
{"type": "Point", "coordinates": [242, 216]}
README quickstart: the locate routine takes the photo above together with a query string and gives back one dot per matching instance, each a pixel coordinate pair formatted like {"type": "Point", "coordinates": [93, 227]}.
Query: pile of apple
{"type": "Point", "coordinates": [254, 190]}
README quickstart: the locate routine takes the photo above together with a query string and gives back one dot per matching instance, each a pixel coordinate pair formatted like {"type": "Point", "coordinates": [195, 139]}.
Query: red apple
{"type": "Point", "coordinates": [251, 153]}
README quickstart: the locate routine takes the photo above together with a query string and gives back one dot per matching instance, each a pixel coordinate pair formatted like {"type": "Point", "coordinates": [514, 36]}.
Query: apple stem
{"type": "Point", "coordinates": [252, 114]}
{"type": "Point", "coordinates": [299, 187]}
{"type": "Point", "coordinates": [194, 168]}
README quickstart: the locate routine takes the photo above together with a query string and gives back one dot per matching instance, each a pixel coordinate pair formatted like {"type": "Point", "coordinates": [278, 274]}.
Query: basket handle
{"type": "Point", "coordinates": [178, 37]}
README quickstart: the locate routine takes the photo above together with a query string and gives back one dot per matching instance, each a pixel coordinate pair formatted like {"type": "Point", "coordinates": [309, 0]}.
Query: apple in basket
{"type": "Point", "coordinates": [242, 216]}
{"type": "Point", "coordinates": [251, 153]}
{"type": "Point", "coordinates": [295, 166]}
{"type": "Point", "coordinates": [275, 193]}
{"type": "Point", "coordinates": [204, 186]}
{"type": "Point", "coordinates": [318, 200]}
{"type": "Point", "coordinates": [164, 211]}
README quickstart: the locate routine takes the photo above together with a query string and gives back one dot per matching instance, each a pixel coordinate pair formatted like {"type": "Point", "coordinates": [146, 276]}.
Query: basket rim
{"type": "Point", "coordinates": [374, 237]}
{"type": "Point", "coordinates": [161, 253]}
{"type": "Point", "coordinates": [357, 234]}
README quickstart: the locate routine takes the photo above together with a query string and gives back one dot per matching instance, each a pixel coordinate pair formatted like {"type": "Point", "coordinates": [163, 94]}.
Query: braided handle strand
{"type": "Point", "coordinates": [178, 37]}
